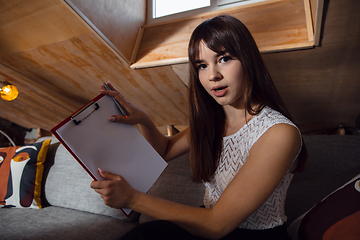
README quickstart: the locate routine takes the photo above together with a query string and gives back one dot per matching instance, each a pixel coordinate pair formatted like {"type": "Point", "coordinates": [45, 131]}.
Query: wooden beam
{"type": "Point", "coordinates": [317, 10]}
{"type": "Point", "coordinates": [309, 21]}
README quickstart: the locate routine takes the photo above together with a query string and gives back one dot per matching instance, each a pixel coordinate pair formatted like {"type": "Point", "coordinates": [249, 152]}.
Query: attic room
{"type": "Point", "coordinates": [58, 53]}
{"type": "Point", "coordinates": [55, 54]}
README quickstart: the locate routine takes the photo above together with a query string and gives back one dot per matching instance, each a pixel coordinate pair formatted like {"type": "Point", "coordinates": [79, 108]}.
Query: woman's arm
{"type": "Point", "coordinates": [167, 147]}
{"type": "Point", "coordinates": [269, 160]}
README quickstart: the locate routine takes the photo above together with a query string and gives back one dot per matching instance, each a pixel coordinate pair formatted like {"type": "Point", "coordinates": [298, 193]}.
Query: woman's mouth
{"type": "Point", "coordinates": [219, 91]}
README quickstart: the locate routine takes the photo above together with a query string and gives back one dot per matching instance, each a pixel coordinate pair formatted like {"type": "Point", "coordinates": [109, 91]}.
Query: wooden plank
{"type": "Point", "coordinates": [309, 20]}
{"type": "Point", "coordinates": [26, 25]}
{"type": "Point", "coordinates": [273, 25]}
{"type": "Point", "coordinates": [313, 9]}
{"type": "Point", "coordinates": [164, 96]}
{"type": "Point", "coordinates": [317, 9]}
{"type": "Point", "coordinates": [58, 75]}
{"type": "Point", "coordinates": [321, 86]}
{"type": "Point", "coordinates": [117, 21]}
{"type": "Point", "coordinates": [105, 40]}
{"type": "Point", "coordinates": [158, 63]}
{"type": "Point", "coordinates": [183, 72]}
{"type": "Point", "coordinates": [137, 45]}
{"type": "Point", "coordinates": [76, 68]}
{"type": "Point", "coordinates": [37, 104]}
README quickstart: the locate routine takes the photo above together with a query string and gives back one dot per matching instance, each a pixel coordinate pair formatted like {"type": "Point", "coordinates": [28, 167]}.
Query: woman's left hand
{"type": "Point", "coordinates": [115, 191]}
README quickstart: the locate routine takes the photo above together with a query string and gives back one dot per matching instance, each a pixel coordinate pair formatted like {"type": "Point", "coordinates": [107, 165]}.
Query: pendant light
{"type": "Point", "coordinates": [8, 91]}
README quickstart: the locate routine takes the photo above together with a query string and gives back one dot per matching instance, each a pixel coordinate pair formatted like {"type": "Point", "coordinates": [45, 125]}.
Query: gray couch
{"type": "Point", "coordinates": [75, 211]}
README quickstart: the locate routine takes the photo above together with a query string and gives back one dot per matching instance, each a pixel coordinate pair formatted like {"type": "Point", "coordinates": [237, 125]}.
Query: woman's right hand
{"type": "Point", "coordinates": [168, 148]}
{"type": "Point", "coordinates": [135, 115]}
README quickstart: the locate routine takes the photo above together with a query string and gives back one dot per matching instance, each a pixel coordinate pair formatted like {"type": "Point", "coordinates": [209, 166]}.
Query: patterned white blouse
{"type": "Point", "coordinates": [234, 154]}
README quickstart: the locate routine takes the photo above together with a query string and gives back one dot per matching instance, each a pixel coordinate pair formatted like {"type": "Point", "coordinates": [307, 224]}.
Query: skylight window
{"type": "Point", "coordinates": [167, 10]}
{"type": "Point", "coordinates": [163, 8]}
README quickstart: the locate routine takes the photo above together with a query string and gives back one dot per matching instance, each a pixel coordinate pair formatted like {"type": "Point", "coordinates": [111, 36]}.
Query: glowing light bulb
{"type": "Point", "coordinates": [9, 92]}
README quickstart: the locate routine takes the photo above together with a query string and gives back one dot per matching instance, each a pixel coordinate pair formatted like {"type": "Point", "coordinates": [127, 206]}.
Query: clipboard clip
{"type": "Point", "coordinates": [77, 122]}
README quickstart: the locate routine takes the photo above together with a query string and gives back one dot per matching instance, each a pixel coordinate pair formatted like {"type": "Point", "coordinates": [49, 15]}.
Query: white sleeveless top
{"type": "Point", "coordinates": [234, 154]}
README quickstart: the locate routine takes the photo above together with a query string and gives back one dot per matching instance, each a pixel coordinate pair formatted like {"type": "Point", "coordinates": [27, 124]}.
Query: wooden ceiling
{"type": "Point", "coordinates": [58, 54]}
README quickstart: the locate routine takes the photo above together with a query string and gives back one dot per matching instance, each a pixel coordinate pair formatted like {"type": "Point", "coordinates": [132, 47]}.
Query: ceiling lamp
{"type": "Point", "coordinates": [8, 91]}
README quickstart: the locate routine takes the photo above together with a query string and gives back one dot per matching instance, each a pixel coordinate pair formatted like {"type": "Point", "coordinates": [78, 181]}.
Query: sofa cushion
{"type": "Point", "coordinates": [175, 184]}
{"type": "Point", "coordinates": [21, 172]}
{"type": "Point", "coordinates": [68, 185]}
{"type": "Point", "coordinates": [333, 161]}
{"type": "Point", "coordinates": [335, 217]}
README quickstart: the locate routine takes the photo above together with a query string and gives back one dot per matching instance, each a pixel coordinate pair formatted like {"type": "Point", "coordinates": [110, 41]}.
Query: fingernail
{"type": "Point", "coordinates": [112, 119]}
{"type": "Point", "coordinates": [101, 171]}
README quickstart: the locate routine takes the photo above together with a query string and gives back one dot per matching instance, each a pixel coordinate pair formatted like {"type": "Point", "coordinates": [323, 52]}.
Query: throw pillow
{"type": "Point", "coordinates": [21, 172]}
{"type": "Point", "coordinates": [335, 217]}
{"type": "Point", "coordinates": [68, 185]}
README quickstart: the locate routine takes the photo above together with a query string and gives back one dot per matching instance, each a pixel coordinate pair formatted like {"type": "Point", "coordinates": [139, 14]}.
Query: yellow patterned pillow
{"type": "Point", "coordinates": [21, 172]}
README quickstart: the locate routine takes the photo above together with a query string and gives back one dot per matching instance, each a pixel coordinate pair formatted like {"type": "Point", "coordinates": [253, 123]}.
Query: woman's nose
{"type": "Point", "coordinates": [215, 75]}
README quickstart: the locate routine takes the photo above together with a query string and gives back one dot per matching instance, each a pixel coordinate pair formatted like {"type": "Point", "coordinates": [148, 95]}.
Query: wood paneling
{"type": "Point", "coordinates": [119, 21]}
{"type": "Point", "coordinates": [25, 25]}
{"type": "Point", "coordinates": [321, 86]}
{"type": "Point", "coordinates": [58, 75]}
{"type": "Point", "coordinates": [275, 26]}
{"type": "Point", "coordinates": [37, 104]}
{"type": "Point", "coordinates": [58, 62]}
{"type": "Point", "coordinates": [317, 7]}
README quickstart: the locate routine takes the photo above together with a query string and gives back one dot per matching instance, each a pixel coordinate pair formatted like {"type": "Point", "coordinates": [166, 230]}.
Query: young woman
{"type": "Point", "coordinates": [243, 145]}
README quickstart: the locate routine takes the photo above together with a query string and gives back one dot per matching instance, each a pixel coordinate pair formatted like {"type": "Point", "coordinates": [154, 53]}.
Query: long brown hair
{"type": "Point", "coordinates": [207, 118]}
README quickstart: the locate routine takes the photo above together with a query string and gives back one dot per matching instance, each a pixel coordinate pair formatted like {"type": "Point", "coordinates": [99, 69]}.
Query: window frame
{"type": "Point", "coordinates": [213, 7]}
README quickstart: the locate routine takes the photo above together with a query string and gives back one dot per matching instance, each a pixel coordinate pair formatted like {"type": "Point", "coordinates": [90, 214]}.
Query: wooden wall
{"type": "Point", "coordinates": [58, 62]}
{"type": "Point", "coordinates": [321, 86]}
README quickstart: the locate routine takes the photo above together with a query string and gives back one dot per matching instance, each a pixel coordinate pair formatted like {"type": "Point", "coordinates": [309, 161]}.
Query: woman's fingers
{"type": "Point", "coordinates": [114, 93]}
{"type": "Point", "coordinates": [112, 87]}
{"type": "Point", "coordinates": [115, 190]}
{"type": "Point", "coordinates": [135, 115]}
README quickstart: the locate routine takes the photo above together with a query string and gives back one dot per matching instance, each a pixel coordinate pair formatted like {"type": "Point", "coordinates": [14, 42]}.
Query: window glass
{"type": "Point", "coordinates": [167, 10]}
{"type": "Point", "coordinates": [223, 2]}
{"type": "Point", "coordinates": [166, 7]}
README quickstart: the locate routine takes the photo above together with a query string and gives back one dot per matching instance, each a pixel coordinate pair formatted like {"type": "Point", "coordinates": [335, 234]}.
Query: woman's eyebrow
{"type": "Point", "coordinates": [199, 61]}
{"type": "Point", "coordinates": [222, 53]}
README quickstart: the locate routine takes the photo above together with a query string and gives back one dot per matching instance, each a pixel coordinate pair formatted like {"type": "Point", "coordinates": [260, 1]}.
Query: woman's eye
{"type": "Point", "coordinates": [201, 66]}
{"type": "Point", "coordinates": [225, 59]}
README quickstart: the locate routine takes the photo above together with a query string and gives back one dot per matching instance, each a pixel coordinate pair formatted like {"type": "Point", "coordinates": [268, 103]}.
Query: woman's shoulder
{"type": "Point", "coordinates": [270, 123]}
{"type": "Point", "coordinates": [279, 130]}
{"type": "Point", "coordinates": [269, 117]}
{"type": "Point", "coordinates": [284, 130]}
{"type": "Point", "coordinates": [281, 136]}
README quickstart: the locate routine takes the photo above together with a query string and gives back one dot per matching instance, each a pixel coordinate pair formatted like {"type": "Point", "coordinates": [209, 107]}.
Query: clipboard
{"type": "Point", "coordinates": [95, 142]}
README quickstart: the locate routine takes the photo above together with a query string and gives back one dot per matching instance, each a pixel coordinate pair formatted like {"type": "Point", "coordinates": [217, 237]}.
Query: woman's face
{"type": "Point", "coordinates": [221, 75]}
